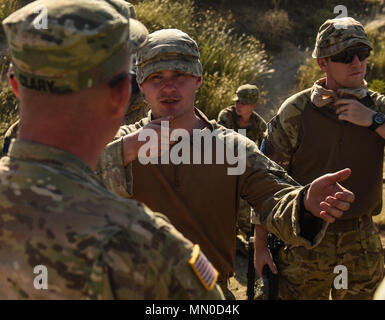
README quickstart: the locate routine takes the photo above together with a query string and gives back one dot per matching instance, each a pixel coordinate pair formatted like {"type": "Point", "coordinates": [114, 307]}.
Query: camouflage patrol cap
{"type": "Point", "coordinates": [247, 94]}
{"type": "Point", "coordinates": [168, 49]}
{"type": "Point", "coordinates": [70, 45]}
{"type": "Point", "coordinates": [335, 35]}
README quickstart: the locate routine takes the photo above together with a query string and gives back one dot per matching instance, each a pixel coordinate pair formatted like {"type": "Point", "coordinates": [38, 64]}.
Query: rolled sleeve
{"type": "Point", "coordinates": [115, 176]}
{"type": "Point", "coordinates": [277, 202]}
{"type": "Point", "coordinates": [291, 223]}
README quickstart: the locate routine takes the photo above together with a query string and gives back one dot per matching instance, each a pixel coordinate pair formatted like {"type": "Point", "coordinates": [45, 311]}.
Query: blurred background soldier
{"type": "Point", "coordinates": [137, 107]}
{"type": "Point", "coordinates": [242, 115]}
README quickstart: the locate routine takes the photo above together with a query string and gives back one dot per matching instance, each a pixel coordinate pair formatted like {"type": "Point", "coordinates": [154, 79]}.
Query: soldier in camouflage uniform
{"type": "Point", "coordinates": [242, 116]}
{"type": "Point", "coordinates": [55, 213]}
{"type": "Point", "coordinates": [137, 107]}
{"type": "Point", "coordinates": [136, 110]}
{"type": "Point", "coordinates": [336, 123]}
{"type": "Point", "coordinates": [202, 199]}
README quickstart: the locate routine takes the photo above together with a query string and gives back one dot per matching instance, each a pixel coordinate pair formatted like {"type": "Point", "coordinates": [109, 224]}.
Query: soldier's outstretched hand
{"type": "Point", "coordinates": [326, 198]}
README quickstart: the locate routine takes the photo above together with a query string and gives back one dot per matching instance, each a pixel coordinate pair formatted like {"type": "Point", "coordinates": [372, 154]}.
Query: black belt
{"type": "Point", "coordinates": [349, 225]}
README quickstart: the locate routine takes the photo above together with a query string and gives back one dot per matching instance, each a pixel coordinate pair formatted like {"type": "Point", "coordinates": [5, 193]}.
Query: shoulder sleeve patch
{"type": "Point", "coordinates": [202, 267]}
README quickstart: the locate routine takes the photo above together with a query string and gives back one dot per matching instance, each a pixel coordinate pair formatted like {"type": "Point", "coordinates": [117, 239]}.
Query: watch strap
{"type": "Point", "coordinates": [376, 124]}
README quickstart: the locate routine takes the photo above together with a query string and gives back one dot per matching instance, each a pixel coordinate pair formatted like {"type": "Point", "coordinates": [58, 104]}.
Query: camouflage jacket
{"type": "Point", "coordinates": [255, 131]}
{"type": "Point", "coordinates": [94, 245]}
{"type": "Point", "coordinates": [285, 133]}
{"type": "Point", "coordinates": [198, 198]}
{"type": "Point", "coordinates": [309, 141]}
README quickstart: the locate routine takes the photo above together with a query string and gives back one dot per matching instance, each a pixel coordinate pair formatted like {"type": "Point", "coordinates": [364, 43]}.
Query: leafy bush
{"type": "Point", "coordinates": [228, 59]}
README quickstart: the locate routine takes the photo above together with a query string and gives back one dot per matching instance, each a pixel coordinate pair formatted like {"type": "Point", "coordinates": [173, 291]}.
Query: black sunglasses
{"type": "Point", "coordinates": [119, 77]}
{"type": "Point", "coordinates": [348, 55]}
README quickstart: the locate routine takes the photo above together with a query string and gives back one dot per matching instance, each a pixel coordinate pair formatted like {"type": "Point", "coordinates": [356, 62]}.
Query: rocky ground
{"type": "Point", "coordinates": [238, 283]}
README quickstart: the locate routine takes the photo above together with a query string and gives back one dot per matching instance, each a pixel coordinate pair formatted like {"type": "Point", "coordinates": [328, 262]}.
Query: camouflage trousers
{"type": "Point", "coordinates": [320, 273]}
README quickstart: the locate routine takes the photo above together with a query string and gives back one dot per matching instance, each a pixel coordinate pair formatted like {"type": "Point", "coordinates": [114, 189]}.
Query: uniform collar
{"type": "Point", "coordinates": [32, 151]}
{"type": "Point", "coordinates": [253, 117]}
{"type": "Point", "coordinates": [198, 112]}
{"type": "Point", "coordinates": [321, 96]}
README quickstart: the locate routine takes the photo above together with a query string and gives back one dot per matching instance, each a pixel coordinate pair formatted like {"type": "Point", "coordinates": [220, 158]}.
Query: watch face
{"type": "Point", "coordinates": [379, 118]}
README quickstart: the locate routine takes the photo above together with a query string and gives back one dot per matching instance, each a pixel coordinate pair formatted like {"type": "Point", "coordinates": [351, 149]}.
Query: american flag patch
{"type": "Point", "coordinates": [203, 268]}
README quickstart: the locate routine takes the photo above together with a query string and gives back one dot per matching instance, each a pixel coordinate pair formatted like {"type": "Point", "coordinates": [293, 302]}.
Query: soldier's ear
{"type": "Point", "coordinates": [323, 64]}
{"type": "Point", "coordinates": [140, 87]}
{"type": "Point", "coordinates": [13, 82]}
{"type": "Point", "coordinates": [120, 96]}
{"type": "Point", "coordinates": [199, 82]}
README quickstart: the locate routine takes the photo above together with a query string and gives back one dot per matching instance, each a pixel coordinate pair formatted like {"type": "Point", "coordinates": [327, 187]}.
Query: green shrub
{"type": "Point", "coordinates": [307, 74]}
{"type": "Point", "coordinates": [8, 102]}
{"type": "Point", "coordinates": [7, 7]}
{"type": "Point", "coordinates": [8, 109]}
{"type": "Point", "coordinates": [228, 59]}
{"type": "Point", "coordinates": [377, 85]}
{"type": "Point", "coordinates": [376, 65]}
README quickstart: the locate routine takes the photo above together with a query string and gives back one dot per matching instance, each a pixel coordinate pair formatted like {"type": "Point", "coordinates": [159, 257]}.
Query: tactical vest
{"type": "Point", "coordinates": [328, 145]}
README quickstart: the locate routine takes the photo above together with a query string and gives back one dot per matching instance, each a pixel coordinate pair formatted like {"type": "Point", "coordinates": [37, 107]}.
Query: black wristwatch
{"type": "Point", "coordinates": [378, 120]}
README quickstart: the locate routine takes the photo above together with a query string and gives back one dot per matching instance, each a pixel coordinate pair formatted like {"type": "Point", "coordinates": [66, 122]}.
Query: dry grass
{"type": "Point", "coordinates": [228, 59]}
{"type": "Point", "coordinates": [307, 74]}
{"type": "Point", "coordinates": [7, 7]}
{"type": "Point", "coordinates": [274, 26]}
{"type": "Point", "coordinates": [8, 109]}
